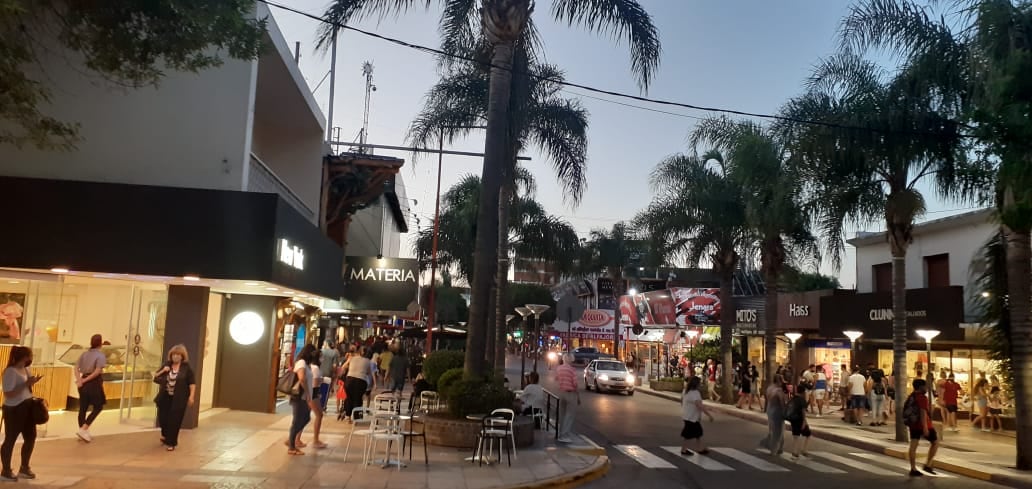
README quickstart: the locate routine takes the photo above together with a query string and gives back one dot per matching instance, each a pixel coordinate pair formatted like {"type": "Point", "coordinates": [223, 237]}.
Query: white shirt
{"type": "Point", "coordinates": [534, 396]}
{"type": "Point", "coordinates": [856, 384]}
{"type": "Point", "coordinates": [308, 379]}
{"type": "Point", "coordinates": [808, 376]}
{"type": "Point", "coordinates": [16, 381]}
{"type": "Point", "coordinates": [689, 409]}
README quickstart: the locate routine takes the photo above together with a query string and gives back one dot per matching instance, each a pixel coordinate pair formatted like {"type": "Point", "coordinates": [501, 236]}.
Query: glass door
{"type": "Point", "coordinates": [143, 355]}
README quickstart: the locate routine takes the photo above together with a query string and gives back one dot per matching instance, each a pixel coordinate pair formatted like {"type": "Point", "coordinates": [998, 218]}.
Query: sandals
{"type": "Point", "coordinates": [299, 444]}
{"type": "Point", "coordinates": [295, 451]}
{"type": "Point", "coordinates": [319, 445]}
{"type": "Point", "coordinates": [170, 449]}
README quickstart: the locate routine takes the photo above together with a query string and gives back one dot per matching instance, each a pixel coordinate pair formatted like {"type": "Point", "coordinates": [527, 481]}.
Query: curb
{"type": "Point", "coordinates": [569, 480]}
{"type": "Point", "coordinates": [999, 478]}
{"type": "Point", "coordinates": [591, 448]}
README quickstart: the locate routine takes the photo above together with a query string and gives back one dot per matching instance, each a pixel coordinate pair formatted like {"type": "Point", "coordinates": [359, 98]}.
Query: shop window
{"type": "Point", "coordinates": [882, 274]}
{"type": "Point", "coordinates": [937, 270]}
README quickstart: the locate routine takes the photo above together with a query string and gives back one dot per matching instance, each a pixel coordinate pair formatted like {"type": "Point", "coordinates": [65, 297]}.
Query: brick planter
{"type": "Point", "coordinates": [668, 386]}
{"type": "Point", "coordinates": [445, 431]}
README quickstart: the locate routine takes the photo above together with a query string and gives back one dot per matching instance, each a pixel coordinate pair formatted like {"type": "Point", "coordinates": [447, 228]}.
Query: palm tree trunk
{"type": "Point", "coordinates": [486, 247]}
{"type": "Point", "coordinates": [618, 292]}
{"type": "Point", "coordinates": [489, 336]}
{"type": "Point", "coordinates": [1019, 271]}
{"type": "Point", "coordinates": [770, 318]}
{"type": "Point", "coordinates": [899, 330]}
{"type": "Point", "coordinates": [504, 202]}
{"type": "Point", "coordinates": [727, 330]}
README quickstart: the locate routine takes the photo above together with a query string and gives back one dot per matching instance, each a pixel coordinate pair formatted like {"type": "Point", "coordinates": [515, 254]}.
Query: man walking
{"type": "Point", "coordinates": [918, 417]}
{"type": "Point", "coordinates": [566, 376]}
{"type": "Point", "coordinates": [950, 394]}
{"type": "Point", "coordinates": [88, 371]}
{"type": "Point", "coordinates": [858, 395]}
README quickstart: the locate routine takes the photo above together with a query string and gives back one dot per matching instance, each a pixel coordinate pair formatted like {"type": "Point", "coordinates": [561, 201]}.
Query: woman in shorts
{"type": "Point", "coordinates": [820, 390]}
{"type": "Point", "coordinates": [692, 410]}
{"type": "Point", "coordinates": [797, 418]}
{"type": "Point", "coordinates": [995, 408]}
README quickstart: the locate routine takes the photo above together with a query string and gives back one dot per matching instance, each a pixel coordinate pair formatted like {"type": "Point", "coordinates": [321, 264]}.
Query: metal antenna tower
{"type": "Point", "coordinates": [367, 72]}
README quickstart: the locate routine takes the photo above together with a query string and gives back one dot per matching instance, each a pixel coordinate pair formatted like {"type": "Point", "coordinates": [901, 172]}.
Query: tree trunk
{"type": "Point", "coordinates": [486, 247]}
{"type": "Point", "coordinates": [1019, 271]}
{"type": "Point", "coordinates": [504, 203]}
{"type": "Point", "coordinates": [727, 331]}
{"type": "Point", "coordinates": [770, 319]}
{"type": "Point", "coordinates": [899, 332]}
{"type": "Point", "coordinates": [618, 292]}
{"type": "Point", "coordinates": [489, 336]}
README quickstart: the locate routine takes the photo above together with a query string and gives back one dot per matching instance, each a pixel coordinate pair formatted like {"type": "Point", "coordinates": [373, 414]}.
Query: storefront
{"type": "Point", "coordinates": [148, 268]}
{"type": "Point", "coordinates": [378, 293]}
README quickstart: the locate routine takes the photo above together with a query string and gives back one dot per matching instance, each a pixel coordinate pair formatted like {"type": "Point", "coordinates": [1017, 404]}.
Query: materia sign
{"type": "Point", "coordinates": [380, 284]}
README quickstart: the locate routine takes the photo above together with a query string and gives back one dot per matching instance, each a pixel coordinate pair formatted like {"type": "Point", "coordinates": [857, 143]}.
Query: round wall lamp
{"type": "Point", "coordinates": [246, 328]}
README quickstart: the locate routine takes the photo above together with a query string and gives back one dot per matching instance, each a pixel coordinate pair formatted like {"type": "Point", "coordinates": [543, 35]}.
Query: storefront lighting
{"type": "Point", "coordinates": [793, 337]}
{"type": "Point", "coordinates": [13, 282]}
{"type": "Point", "coordinates": [853, 335]}
{"type": "Point", "coordinates": [251, 284]}
{"type": "Point", "coordinates": [271, 288]}
{"type": "Point", "coordinates": [633, 291]}
{"type": "Point", "coordinates": [985, 294]}
{"type": "Point", "coordinates": [192, 278]}
{"type": "Point", "coordinates": [927, 334]}
{"type": "Point", "coordinates": [59, 270]}
{"type": "Point", "coordinates": [246, 328]}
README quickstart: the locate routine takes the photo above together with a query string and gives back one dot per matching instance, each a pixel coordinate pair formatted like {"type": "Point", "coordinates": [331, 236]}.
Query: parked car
{"type": "Point", "coordinates": [608, 375]}
{"type": "Point", "coordinates": [585, 355]}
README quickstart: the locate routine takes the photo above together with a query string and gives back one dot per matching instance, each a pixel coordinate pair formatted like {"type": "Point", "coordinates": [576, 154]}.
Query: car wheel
{"type": "Point", "coordinates": [630, 393]}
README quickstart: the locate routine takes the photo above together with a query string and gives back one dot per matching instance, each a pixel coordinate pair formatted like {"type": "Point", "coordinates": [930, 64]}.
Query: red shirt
{"type": "Point", "coordinates": [922, 403]}
{"type": "Point", "coordinates": [949, 393]}
{"type": "Point", "coordinates": [566, 376]}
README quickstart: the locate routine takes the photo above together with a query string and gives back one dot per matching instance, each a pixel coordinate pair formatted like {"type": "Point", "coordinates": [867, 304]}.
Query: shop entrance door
{"type": "Point", "coordinates": [143, 356]}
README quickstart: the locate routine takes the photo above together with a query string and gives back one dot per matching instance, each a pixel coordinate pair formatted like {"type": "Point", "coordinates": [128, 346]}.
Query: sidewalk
{"type": "Point", "coordinates": [241, 450]}
{"type": "Point", "coordinates": [968, 452]}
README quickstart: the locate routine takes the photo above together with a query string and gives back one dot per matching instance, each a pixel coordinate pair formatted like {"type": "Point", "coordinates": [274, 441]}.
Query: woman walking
{"type": "Point", "coordinates": [303, 404]}
{"type": "Point", "coordinates": [357, 370]}
{"type": "Point", "coordinates": [317, 397]}
{"type": "Point", "coordinates": [797, 419]}
{"type": "Point", "coordinates": [692, 410]}
{"type": "Point", "coordinates": [745, 388]}
{"type": "Point", "coordinates": [177, 392]}
{"type": "Point", "coordinates": [982, 403]}
{"type": "Point", "coordinates": [17, 412]}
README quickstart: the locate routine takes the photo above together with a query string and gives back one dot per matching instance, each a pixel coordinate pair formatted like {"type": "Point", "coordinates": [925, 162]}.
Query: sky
{"type": "Point", "coordinates": [744, 55]}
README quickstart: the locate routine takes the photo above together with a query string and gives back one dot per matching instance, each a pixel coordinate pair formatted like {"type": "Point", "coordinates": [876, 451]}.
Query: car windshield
{"type": "Point", "coordinates": [585, 350]}
{"type": "Point", "coordinates": [611, 366]}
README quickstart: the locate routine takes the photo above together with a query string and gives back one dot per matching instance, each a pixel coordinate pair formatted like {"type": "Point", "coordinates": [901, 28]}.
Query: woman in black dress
{"type": "Point", "coordinates": [177, 392]}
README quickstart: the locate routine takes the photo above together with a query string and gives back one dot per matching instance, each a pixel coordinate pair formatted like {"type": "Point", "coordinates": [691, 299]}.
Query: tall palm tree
{"type": "Point", "coordinates": [978, 56]}
{"type": "Point", "coordinates": [503, 23]}
{"type": "Point", "coordinates": [609, 252]}
{"type": "Point", "coordinates": [759, 162]}
{"type": "Point", "coordinates": [858, 176]}
{"type": "Point", "coordinates": [699, 212]}
{"type": "Point", "coordinates": [538, 116]}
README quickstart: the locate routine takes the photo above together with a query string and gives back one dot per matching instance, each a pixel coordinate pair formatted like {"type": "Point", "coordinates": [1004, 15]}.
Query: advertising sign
{"type": "Point", "coordinates": [594, 324]}
{"type": "Point", "coordinates": [696, 306]}
{"type": "Point", "coordinates": [935, 308]}
{"type": "Point", "coordinates": [380, 284]}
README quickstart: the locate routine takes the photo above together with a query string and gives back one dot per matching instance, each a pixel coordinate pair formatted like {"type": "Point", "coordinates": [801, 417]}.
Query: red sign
{"type": "Point", "coordinates": [594, 324]}
{"type": "Point", "coordinates": [596, 318]}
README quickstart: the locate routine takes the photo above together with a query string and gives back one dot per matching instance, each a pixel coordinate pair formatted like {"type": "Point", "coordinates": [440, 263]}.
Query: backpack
{"type": "Point", "coordinates": [911, 412]}
{"type": "Point", "coordinates": [288, 384]}
{"type": "Point", "coordinates": [879, 389]}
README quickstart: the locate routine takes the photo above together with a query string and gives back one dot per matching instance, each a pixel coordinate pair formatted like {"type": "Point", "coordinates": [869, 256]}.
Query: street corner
{"type": "Point", "coordinates": [581, 445]}
{"type": "Point", "coordinates": [598, 469]}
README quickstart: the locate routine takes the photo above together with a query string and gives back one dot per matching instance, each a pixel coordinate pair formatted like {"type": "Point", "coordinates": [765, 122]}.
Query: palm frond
{"type": "Point", "coordinates": [342, 12]}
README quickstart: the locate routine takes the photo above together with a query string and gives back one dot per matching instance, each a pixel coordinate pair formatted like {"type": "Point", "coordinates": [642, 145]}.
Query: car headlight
{"type": "Point", "coordinates": [630, 378]}
{"type": "Point", "coordinates": [552, 355]}
{"type": "Point", "coordinates": [603, 377]}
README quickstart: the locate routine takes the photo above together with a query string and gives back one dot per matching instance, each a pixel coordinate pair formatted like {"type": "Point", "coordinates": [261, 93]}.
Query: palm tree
{"type": "Point", "coordinates": [699, 211]}
{"type": "Point", "coordinates": [538, 116]}
{"type": "Point", "coordinates": [978, 57]}
{"type": "Point", "coordinates": [758, 161]}
{"type": "Point", "coordinates": [609, 252]}
{"type": "Point", "coordinates": [503, 23]}
{"type": "Point", "coordinates": [860, 175]}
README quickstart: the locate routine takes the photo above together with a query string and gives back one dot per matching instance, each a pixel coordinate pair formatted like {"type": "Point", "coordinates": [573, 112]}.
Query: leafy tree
{"type": "Point", "coordinates": [504, 24]}
{"type": "Point", "coordinates": [609, 252]}
{"type": "Point", "coordinates": [449, 304]}
{"type": "Point", "coordinates": [700, 211]}
{"type": "Point", "coordinates": [794, 280]}
{"type": "Point", "coordinates": [758, 161]}
{"type": "Point", "coordinates": [165, 35]}
{"type": "Point", "coordinates": [904, 135]}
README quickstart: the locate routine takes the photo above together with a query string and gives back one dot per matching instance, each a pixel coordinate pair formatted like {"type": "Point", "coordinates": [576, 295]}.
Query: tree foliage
{"type": "Point", "coordinates": [126, 42]}
{"type": "Point", "coordinates": [793, 280]}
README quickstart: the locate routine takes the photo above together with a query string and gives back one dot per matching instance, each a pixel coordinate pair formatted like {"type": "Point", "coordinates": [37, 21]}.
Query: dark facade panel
{"type": "Point", "coordinates": [938, 308]}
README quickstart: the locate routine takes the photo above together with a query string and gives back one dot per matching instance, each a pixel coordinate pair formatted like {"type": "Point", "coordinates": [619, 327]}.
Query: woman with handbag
{"type": "Point", "coordinates": [177, 392]}
{"type": "Point", "coordinates": [17, 412]}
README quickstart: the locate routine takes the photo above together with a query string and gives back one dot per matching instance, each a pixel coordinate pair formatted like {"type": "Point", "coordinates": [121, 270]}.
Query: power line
{"type": "Point", "coordinates": [639, 98]}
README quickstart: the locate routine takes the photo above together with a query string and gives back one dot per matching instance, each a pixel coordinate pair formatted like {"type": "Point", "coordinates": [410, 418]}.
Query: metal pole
{"type": "Point", "coordinates": [537, 338]}
{"type": "Point", "coordinates": [333, 83]}
{"type": "Point", "coordinates": [432, 303]}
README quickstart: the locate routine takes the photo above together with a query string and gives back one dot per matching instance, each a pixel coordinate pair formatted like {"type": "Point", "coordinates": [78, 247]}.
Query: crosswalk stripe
{"type": "Point", "coordinates": [903, 464]}
{"type": "Point", "coordinates": [810, 464]}
{"type": "Point", "coordinates": [644, 457]}
{"type": "Point", "coordinates": [747, 459]}
{"type": "Point", "coordinates": [701, 460]}
{"type": "Point", "coordinates": [856, 464]}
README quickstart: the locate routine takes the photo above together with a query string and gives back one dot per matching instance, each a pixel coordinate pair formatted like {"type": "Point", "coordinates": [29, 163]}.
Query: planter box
{"type": "Point", "coordinates": [444, 431]}
{"type": "Point", "coordinates": [667, 385]}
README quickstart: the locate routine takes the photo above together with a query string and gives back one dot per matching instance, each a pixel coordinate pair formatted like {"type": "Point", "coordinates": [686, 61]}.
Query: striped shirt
{"type": "Point", "coordinates": [567, 378]}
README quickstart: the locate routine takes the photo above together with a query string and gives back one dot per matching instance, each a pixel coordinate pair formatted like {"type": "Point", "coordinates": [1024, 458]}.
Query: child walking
{"type": "Point", "coordinates": [692, 410]}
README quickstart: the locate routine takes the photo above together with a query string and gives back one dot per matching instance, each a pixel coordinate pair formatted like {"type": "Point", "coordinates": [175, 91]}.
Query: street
{"type": "Point", "coordinates": [641, 435]}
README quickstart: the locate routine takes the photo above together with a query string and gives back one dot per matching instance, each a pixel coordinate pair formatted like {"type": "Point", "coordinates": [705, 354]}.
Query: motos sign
{"type": "Point", "coordinates": [380, 284]}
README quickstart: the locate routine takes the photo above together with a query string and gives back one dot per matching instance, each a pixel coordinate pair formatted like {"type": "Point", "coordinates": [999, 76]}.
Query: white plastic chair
{"type": "Point", "coordinates": [429, 401]}
{"type": "Point", "coordinates": [360, 416]}
{"type": "Point", "coordinates": [509, 417]}
{"type": "Point", "coordinates": [386, 403]}
{"type": "Point", "coordinates": [386, 427]}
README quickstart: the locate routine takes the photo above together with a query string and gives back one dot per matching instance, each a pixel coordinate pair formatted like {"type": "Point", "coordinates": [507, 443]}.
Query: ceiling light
{"type": "Point", "coordinates": [59, 270]}
{"type": "Point", "coordinates": [13, 282]}
{"type": "Point", "coordinates": [251, 284]}
{"type": "Point", "coordinates": [271, 288]}
{"type": "Point", "coordinates": [191, 278]}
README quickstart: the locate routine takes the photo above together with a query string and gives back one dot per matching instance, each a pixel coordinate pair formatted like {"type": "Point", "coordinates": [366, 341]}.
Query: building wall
{"type": "Point", "coordinates": [374, 231]}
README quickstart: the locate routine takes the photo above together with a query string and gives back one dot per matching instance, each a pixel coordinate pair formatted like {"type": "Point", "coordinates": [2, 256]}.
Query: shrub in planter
{"type": "Point", "coordinates": [468, 396]}
{"type": "Point", "coordinates": [670, 384]}
{"type": "Point", "coordinates": [439, 362]}
{"type": "Point", "coordinates": [448, 378]}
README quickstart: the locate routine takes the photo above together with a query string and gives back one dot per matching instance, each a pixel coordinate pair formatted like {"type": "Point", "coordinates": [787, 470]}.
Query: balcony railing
{"type": "Point", "coordinates": [263, 180]}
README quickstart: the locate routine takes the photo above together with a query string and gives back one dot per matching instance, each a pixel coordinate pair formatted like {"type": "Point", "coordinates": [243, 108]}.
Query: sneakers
{"type": "Point", "coordinates": [26, 473]}
{"type": "Point", "coordinates": [928, 469]}
{"type": "Point", "coordinates": [84, 435]}
{"type": "Point", "coordinates": [915, 473]}
{"type": "Point", "coordinates": [564, 440]}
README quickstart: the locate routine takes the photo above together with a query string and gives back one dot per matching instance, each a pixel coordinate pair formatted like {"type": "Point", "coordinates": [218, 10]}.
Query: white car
{"type": "Point", "coordinates": [608, 375]}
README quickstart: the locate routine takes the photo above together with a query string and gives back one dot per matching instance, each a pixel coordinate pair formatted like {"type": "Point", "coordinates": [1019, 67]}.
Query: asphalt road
{"type": "Point", "coordinates": [641, 435]}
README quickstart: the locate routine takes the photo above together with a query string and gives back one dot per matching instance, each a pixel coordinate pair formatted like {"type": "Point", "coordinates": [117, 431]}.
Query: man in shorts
{"type": "Point", "coordinates": [922, 428]}
{"type": "Point", "coordinates": [857, 395]}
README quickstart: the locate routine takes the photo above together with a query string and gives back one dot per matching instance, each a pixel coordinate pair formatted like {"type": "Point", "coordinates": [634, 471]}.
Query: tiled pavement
{"type": "Point", "coordinates": [237, 450]}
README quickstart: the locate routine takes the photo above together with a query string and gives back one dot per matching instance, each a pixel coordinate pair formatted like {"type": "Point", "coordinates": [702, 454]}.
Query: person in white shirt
{"type": "Point", "coordinates": [533, 398]}
{"type": "Point", "coordinates": [303, 403]}
{"type": "Point", "coordinates": [857, 395]}
{"type": "Point", "coordinates": [692, 410]}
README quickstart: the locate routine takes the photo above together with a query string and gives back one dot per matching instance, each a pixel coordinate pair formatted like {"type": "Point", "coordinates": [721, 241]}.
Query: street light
{"type": "Point", "coordinates": [792, 338]}
{"type": "Point", "coordinates": [692, 333]}
{"type": "Point", "coordinates": [537, 309]}
{"type": "Point", "coordinates": [632, 292]}
{"type": "Point", "coordinates": [523, 311]}
{"type": "Point", "coordinates": [853, 335]}
{"type": "Point", "coordinates": [928, 335]}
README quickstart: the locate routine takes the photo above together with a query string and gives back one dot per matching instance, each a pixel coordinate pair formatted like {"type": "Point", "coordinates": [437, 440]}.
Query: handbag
{"type": "Point", "coordinates": [40, 411]}
{"type": "Point", "coordinates": [288, 384]}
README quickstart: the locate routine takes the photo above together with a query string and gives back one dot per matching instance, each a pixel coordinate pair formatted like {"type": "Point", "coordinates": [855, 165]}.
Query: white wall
{"type": "Point", "coordinates": [190, 132]}
{"type": "Point", "coordinates": [962, 243]}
